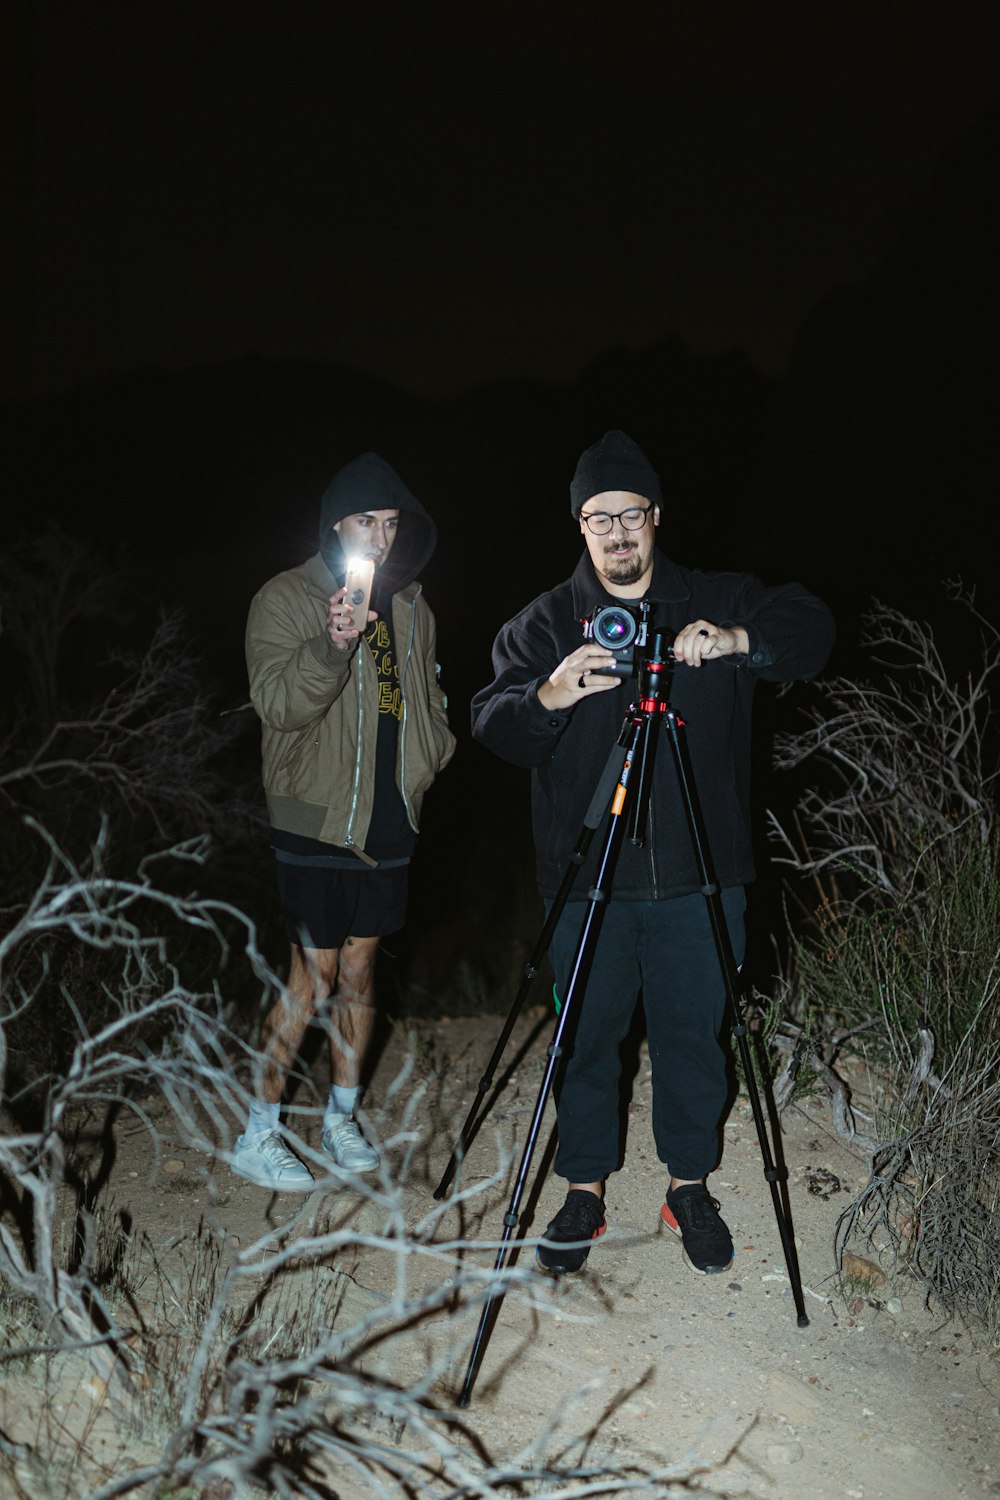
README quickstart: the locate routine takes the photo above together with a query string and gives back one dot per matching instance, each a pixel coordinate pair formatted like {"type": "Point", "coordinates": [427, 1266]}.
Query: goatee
{"type": "Point", "coordinates": [626, 569]}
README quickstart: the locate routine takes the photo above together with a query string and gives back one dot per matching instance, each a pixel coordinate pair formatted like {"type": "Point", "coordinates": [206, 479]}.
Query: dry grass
{"type": "Point", "coordinates": [896, 837]}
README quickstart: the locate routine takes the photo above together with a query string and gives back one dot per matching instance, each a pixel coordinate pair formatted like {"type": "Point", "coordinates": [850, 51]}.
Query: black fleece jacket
{"type": "Point", "coordinates": [790, 635]}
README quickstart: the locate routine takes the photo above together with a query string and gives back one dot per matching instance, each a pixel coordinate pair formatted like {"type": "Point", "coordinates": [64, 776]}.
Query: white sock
{"type": "Point", "coordinates": [341, 1102]}
{"type": "Point", "coordinates": [262, 1118]}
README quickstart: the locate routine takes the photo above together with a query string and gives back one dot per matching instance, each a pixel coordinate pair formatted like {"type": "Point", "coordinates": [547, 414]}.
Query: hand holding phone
{"type": "Point", "coordinates": [358, 584]}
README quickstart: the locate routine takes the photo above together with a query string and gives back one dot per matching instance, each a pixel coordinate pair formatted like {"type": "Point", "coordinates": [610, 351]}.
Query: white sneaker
{"type": "Point", "coordinates": [345, 1143]}
{"type": "Point", "coordinates": [267, 1161]}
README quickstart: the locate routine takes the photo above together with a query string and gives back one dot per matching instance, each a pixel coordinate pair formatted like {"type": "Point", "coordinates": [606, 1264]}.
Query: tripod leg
{"type": "Point", "coordinates": [595, 814]}
{"type": "Point", "coordinates": [772, 1175]}
{"type": "Point", "coordinates": [596, 897]}
{"type": "Point", "coordinates": [531, 969]}
{"type": "Point", "coordinates": [734, 996]}
{"type": "Point", "coordinates": [588, 937]}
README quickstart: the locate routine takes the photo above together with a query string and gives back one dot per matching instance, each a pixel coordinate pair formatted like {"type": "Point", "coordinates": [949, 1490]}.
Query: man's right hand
{"type": "Point", "coordinates": [340, 622]}
{"type": "Point", "coordinates": [576, 678]}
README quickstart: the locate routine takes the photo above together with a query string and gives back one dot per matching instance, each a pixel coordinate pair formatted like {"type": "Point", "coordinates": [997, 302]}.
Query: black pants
{"type": "Point", "coordinates": [665, 950]}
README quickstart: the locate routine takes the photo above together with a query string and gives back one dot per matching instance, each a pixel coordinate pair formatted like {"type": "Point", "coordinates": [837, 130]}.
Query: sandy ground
{"type": "Point", "coordinates": [876, 1398]}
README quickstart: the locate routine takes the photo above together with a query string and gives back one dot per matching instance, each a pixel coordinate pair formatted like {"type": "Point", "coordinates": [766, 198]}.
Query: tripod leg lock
{"type": "Point", "coordinates": [510, 1221]}
{"type": "Point", "coordinates": [595, 895]}
{"type": "Point", "coordinates": [554, 1051]}
{"type": "Point", "coordinates": [710, 890]}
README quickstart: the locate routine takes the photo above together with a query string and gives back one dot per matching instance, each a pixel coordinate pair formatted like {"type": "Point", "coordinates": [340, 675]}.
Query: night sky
{"type": "Point", "coordinates": [445, 193]}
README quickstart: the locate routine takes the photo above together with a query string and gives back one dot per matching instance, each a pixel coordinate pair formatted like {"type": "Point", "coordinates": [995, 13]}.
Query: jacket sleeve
{"type": "Point", "coordinates": [294, 675]}
{"type": "Point", "coordinates": [790, 632]}
{"type": "Point", "coordinates": [438, 703]}
{"type": "Point", "coordinates": [507, 716]}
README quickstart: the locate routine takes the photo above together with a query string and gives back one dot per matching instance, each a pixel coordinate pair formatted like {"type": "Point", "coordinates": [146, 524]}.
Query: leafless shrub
{"type": "Point", "coordinates": [897, 837]}
{"type": "Point", "coordinates": [244, 1369]}
{"type": "Point", "coordinates": [149, 749]}
{"type": "Point", "coordinates": [51, 585]}
{"type": "Point", "coordinates": [900, 762]}
{"type": "Point", "coordinates": [145, 767]}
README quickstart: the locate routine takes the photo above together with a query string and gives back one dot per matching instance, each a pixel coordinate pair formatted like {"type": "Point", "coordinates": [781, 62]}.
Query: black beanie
{"type": "Point", "coordinates": [615, 463]}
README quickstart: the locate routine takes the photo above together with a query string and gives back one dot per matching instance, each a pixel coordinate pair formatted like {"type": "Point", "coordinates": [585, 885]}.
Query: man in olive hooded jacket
{"type": "Point", "coordinates": [354, 730]}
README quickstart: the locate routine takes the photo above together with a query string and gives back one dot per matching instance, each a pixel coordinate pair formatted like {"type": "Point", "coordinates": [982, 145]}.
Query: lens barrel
{"type": "Point", "coordinates": [614, 627]}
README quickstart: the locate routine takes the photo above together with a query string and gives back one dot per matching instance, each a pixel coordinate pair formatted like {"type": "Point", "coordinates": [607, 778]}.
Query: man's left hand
{"type": "Point", "coordinates": [702, 641]}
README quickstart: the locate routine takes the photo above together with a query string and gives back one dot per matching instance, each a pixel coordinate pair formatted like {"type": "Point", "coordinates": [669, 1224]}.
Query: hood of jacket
{"type": "Point", "coordinates": [369, 483]}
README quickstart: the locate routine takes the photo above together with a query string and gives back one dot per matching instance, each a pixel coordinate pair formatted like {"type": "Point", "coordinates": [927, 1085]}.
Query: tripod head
{"type": "Point", "coordinates": [656, 672]}
{"type": "Point", "coordinates": [655, 675]}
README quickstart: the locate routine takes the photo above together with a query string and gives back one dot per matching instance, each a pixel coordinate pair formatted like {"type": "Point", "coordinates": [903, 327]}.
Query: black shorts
{"type": "Point", "coordinates": [322, 907]}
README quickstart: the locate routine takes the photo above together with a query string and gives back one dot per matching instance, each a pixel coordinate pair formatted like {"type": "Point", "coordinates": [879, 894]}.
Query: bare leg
{"type": "Point", "coordinates": [311, 976]}
{"type": "Point", "coordinates": [597, 1188]}
{"type": "Point", "coordinates": [353, 1011]}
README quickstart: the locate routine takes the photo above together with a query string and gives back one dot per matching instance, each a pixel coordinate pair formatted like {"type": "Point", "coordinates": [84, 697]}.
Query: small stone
{"type": "Point", "coordinates": [894, 1305]}
{"type": "Point", "coordinates": [785, 1453]}
{"type": "Point", "coordinates": [173, 1166]}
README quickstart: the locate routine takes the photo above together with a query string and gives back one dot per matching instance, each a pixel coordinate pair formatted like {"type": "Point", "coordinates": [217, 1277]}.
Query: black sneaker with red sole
{"type": "Point", "coordinates": [567, 1239]}
{"type": "Point", "coordinates": [692, 1213]}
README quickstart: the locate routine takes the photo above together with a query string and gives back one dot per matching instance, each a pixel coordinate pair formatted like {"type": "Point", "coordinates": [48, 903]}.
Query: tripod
{"type": "Point", "coordinates": [625, 788]}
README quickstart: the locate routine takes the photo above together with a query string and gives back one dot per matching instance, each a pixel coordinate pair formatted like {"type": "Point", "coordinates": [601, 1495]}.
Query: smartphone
{"type": "Point", "coordinates": [358, 582]}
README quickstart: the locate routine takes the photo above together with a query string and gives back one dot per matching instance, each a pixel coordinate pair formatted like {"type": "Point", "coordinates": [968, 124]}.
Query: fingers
{"type": "Point", "coordinates": [587, 668]}
{"type": "Point", "coordinates": [578, 676]}
{"type": "Point", "coordinates": [594, 680]}
{"type": "Point", "coordinates": [697, 642]}
{"type": "Point", "coordinates": [702, 641]}
{"type": "Point", "coordinates": [340, 621]}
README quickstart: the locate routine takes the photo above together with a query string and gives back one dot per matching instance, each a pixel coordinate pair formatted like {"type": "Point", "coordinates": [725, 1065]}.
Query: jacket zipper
{"type": "Point", "coordinates": [402, 722]}
{"type": "Point", "coordinates": [349, 835]}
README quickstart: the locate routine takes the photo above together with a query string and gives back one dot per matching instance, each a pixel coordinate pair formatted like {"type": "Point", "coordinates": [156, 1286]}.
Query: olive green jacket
{"type": "Point", "coordinates": [319, 708]}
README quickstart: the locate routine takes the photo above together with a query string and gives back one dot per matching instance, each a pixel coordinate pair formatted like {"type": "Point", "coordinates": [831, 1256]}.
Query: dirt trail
{"type": "Point", "coordinates": [660, 1367]}
{"type": "Point", "coordinates": [865, 1402]}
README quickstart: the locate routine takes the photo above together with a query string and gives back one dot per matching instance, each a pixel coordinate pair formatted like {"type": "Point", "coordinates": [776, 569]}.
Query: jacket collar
{"type": "Point", "coordinates": [667, 586]}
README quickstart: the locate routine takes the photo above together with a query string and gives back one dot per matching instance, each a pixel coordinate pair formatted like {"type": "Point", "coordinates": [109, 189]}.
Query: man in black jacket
{"type": "Point", "coordinates": [553, 707]}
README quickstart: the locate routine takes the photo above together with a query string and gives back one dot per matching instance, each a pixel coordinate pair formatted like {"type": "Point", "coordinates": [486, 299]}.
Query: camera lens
{"type": "Point", "coordinates": [614, 627]}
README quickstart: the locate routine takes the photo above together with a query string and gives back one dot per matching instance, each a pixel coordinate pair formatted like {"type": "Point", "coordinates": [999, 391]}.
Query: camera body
{"type": "Point", "coordinates": [622, 629]}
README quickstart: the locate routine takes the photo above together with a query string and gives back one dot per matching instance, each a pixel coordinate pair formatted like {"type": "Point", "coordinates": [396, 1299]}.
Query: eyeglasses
{"type": "Point", "coordinates": [633, 519]}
